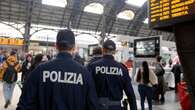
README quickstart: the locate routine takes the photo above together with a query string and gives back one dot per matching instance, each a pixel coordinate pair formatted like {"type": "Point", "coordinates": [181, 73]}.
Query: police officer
{"type": "Point", "coordinates": [60, 84]}
{"type": "Point", "coordinates": [111, 78]}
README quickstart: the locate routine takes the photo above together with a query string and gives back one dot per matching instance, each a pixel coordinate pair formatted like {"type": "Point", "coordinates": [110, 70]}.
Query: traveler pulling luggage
{"type": "Point", "coordinates": [59, 84]}
{"type": "Point", "coordinates": [111, 78]}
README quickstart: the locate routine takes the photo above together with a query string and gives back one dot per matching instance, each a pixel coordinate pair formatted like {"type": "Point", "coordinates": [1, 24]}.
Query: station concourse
{"type": "Point", "coordinates": [142, 30]}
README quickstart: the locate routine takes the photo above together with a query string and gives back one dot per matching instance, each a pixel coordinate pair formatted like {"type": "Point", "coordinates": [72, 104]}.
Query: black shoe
{"type": "Point", "coordinates": [7, 104]}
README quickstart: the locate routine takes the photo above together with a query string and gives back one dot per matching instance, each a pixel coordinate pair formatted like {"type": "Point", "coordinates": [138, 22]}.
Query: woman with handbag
{"type": "Point", "coordinates": [146, 79]}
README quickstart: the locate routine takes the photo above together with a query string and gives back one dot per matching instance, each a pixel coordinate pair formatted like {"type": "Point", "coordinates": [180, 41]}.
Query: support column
{"type": "Point", "coordinates": [185, 42]}
{"type": "Point", "coordinates": [28, 25]}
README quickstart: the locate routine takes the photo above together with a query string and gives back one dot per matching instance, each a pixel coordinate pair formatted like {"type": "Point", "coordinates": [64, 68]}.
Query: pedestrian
{"type": "Point", "coordinates": [160, 89]}
{"type": "Point", "coordinates": [37, 60]}
{"type": "Point", "coordinates": [1, 64]}
{"type": "Point", "coordinates": [111, 78]}
{"type": "Point", "coordinates": [45, 58]}
{"type": "Point", "coordinates": [97, 54]}
{"type": "Point", "coordinates": [26, 66]}
{"type": "Point", "coordinates": [60, 84]}
{"type": "Point", "coordinates": [11, 68]}
{"type": "Point", "coordinates": [169, 76]}
{"type": "Point", "coordinates": [146, 79]}
{"type": "Point", "coordinates": [129, 64]}
{"type": "Point", "coordinates": [1, 57]}
{"type": "Point", "coordinates": [177, 70]}
{"type": "Point", "coordinates": [78, 59]}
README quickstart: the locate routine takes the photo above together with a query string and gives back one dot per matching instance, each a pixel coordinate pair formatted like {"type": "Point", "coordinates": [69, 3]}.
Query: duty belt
{"type": "Point", "coordinates": [105, 102]}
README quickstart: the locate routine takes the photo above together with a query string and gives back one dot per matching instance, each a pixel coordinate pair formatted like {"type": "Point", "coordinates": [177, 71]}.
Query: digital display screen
{"type": "Point", "coordinates": [148, 47]}
{"type": "Point", "coordinates": [145, 47]}
{"type": "Point", "coordinates": [165, 13]}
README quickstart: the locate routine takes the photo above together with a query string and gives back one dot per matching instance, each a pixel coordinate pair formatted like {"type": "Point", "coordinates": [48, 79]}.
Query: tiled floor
{"type": "Point", "coordinates": [170, 104]}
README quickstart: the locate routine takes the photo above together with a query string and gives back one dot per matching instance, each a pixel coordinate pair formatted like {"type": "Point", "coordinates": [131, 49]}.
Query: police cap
{"type": "Point", "coordinates": [110, 45]}
{"type": "Point", "coordinates": [65, 38]}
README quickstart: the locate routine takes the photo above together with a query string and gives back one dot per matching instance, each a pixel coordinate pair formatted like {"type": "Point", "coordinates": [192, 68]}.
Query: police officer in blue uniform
{"type": "Point", "coordinates": [111, 78]}
{"type": "Point", "coordinates": [60, 84]}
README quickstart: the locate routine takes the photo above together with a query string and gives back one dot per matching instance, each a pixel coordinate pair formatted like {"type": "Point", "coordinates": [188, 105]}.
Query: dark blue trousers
{"type": "Point", "coordinates": [145, 92]}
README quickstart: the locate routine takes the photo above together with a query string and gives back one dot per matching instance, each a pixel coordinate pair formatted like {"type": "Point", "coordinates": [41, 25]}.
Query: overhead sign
{"type": "Point", "coordinates": [11, 41]}
{"type": "Point", "coordinates": [165, 13]}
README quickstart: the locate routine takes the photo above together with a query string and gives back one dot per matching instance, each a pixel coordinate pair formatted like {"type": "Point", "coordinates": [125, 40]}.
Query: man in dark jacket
{"type": "Point", "coordinates": [97, 54]}
{"type": "Point", "coordinates": [177, 70]}
{"type": "Point", "coordinates": [60, 84]}
{"type": "Point", "coordinates": [160, 89]}
{"type": "Point", "coordinates": [111, 78]}
{"type": "Point", "coordinates": [78, 59]}
{"type": "Point", "coordinates": [26, 67]}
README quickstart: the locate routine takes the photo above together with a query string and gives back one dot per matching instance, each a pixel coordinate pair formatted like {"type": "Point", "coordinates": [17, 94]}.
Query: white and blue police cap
{"type": "Point", "coordinates": [65, 38]}
{"type": "Point", "coordinates": [110, 45]}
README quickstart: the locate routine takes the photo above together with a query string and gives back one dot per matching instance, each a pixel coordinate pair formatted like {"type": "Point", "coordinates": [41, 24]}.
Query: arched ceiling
{"type": "Point", "coordinates": [73, 16]}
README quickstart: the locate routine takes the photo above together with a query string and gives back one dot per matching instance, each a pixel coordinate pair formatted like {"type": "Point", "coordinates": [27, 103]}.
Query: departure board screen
{"type": "Point", "coordinates": [165, 13]}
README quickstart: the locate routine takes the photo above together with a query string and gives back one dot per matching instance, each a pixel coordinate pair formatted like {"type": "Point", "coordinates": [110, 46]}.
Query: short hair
{"type": "Point", "coordinates": [97, 51]}
{"type": "Point", "coordinates": [158, 58]}
{"type": "Point", "coordinates": [64, 47]}
{"type": "Point", "coordinates": [108, 52]}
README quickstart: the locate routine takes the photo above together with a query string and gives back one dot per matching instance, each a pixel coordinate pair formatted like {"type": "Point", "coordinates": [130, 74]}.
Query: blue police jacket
{"type": "Point", "coordinates": [60, 84]}
{"type": "Point", "coordinates": [111, 78]}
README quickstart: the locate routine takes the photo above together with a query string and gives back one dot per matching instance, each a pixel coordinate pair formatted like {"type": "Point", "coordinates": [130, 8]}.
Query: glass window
{"type": "Point", "coordinates": [138, 3]}
{"type": "Point", "coordinates": [127, 15]}
{"type": "Point", "coordinates": [44, 35]}
{"type": "Point", "coordinates": [95, 8]}
{"type": "Point", "coordinates": [7, 31]}
{"type": "Point", "coordinates": [86, 39]}
{"type": "Point", "coordinates": [57, 3]}
{"type": "Point", "coordinates": [146, 21]}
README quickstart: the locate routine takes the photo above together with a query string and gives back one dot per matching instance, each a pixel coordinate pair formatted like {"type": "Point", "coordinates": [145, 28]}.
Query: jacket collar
{"type": "Point", "coordinates": [64, 55]}
{"type": "Point", "coordinates": [108, 57]}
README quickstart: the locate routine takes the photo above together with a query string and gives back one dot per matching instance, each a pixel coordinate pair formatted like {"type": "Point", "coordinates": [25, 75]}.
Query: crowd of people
{"type": "Point", "coordinates": [64, 82]}
{"type": "Point", "coordinates": [10, 66]}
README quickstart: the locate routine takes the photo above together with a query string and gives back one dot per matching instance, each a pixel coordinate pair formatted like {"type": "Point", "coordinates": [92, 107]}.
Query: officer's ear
{"type": "Point", "coordinates": [103, 51]}
{"type": "Point", "coordinates": [72, 50]}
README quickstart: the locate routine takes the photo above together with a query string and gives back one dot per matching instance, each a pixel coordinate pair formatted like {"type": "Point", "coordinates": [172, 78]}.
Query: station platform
{"type": "Point", "coordinates": [171, 102]}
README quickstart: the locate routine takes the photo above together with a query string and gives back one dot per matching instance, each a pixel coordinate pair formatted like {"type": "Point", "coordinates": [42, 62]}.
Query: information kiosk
{"type": "Point", "coordinates": [145, 49]}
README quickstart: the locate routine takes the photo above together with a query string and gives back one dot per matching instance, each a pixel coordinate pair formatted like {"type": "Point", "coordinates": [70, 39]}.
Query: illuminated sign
{"type": "Point", "coordinates": [11, 41]}
{"type": "Point", "coordinates": [165, 13]}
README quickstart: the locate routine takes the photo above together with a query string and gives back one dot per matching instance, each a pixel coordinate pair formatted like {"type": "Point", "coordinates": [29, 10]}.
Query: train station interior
{"type": "Point", "coordinates": [141, 29]}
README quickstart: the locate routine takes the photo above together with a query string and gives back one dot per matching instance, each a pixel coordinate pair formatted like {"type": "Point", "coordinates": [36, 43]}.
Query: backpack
{"type": "Point", "coordinates": [10, 74]}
